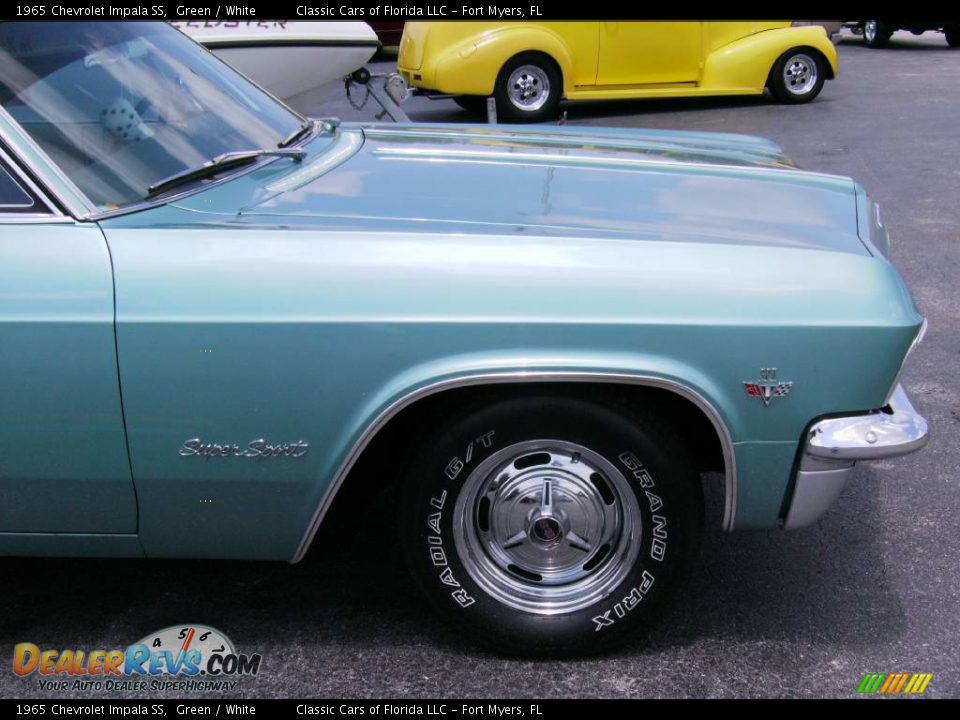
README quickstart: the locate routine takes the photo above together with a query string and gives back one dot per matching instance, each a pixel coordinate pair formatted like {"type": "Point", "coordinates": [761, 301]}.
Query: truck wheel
{"type": "Point", "coordinates": [550, 525]}
{"type": "Point", "coordinates": [797, 76]}
{"type": "Point", "coordinates": [953, 35]}
{"type": "Point", "coordinates": [876, 33]}
{"type": "Point", "coordinates": [528, 88]}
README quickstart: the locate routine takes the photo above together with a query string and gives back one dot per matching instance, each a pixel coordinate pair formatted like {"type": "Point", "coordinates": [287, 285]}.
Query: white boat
{"type": "Point", "coordinates": [297, 62]}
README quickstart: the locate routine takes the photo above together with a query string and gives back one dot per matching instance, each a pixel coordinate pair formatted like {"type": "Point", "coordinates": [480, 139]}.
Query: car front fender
{"type": "Point", "coordinates": [447, 374]}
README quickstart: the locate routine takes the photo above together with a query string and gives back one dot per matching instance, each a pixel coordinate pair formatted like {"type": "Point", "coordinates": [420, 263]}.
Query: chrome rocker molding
{"type": "Point", "coordinates": [726, 442]}
{"type": "Point", "coordinates": [834, 445]}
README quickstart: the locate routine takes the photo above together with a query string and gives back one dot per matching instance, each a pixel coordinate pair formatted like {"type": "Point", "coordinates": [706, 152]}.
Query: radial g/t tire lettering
{"type": "Point", "coordinates": [549, 525]}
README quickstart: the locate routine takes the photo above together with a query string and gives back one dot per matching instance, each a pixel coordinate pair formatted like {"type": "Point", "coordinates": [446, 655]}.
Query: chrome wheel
{"type": "Point", "coordinates": [547, 526]}
{"type": "Point", "coordinates": [870, 31]}
{"type": "Point", "coordinates": [800, 74]}
{"type": "Point", "coordinates": [528, 87]}
{"type": "Point", "coordinates": [547, 523]}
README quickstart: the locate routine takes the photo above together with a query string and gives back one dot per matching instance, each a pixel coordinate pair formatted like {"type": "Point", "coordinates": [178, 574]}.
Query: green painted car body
{"type": "Point", "coordinates": [307, 303]}
{"type": "Point", "coordinates": [196, 372]}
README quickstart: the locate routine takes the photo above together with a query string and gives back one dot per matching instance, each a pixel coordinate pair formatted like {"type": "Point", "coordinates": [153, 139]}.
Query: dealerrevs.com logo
{"type": "Point", "coordinates": [181, 657]}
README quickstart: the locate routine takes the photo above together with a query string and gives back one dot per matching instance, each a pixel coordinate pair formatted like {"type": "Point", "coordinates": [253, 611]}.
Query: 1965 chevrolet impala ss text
{"type": "Point", "coordinates": [212, 309]}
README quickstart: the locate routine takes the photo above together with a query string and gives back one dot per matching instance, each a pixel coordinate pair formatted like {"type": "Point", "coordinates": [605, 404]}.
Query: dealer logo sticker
{"type": "Point", "coordinates": [180, 657]}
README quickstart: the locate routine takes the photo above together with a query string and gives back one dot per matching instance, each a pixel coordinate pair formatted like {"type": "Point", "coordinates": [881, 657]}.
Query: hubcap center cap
{"type": "Point", "coordinates": [528, 87]}
{"type": "Point", "coordinates": [547, 526]}
{"type": "Point", "coordinates": [547, 530]}
{"type": "Point", "coordinates": [800, 75]}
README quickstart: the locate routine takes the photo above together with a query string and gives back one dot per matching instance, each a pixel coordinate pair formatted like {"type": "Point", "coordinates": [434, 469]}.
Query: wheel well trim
{"type": "Point", "coordinates": [506, 378]}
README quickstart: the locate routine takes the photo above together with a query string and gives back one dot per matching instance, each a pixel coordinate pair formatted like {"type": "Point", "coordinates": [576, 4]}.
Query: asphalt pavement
{"type": "Point", "coordinates": [873, 587]}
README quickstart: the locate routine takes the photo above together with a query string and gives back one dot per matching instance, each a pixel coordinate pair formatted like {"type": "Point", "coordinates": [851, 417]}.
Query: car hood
{"type": "Point", "coordinates": [611, 184]}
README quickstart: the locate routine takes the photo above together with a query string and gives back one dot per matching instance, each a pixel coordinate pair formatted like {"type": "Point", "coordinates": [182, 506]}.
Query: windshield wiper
{"type": "Point", "coordinates": [220, 162]}
{"type": "Point", "coordinates": [305, 127]}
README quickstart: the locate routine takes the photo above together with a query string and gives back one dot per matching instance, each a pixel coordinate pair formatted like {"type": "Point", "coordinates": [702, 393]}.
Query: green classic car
{"type": "Point", "coordinates": [212, 310]}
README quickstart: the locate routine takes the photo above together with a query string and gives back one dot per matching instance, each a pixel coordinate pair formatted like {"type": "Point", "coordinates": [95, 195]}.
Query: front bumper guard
{"type": "Point", "coordinates": [834, 445]}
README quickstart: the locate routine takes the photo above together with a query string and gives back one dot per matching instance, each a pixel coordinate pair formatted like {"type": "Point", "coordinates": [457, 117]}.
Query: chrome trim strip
{"type": "Point", "coordinates": [870, 437]}
{"type": "Point", "coordinates": [34, 219]}
{"type": "Point", "coordinates": [79, 206]}
{"type": "Point", "coordinates": [726, 442]}
{"type": "Point", "coordinates": [529, 135]}
{"type": "Point", "coordinates": [11, 163]}
{"type": "Point", "coordinates": [533, 158]}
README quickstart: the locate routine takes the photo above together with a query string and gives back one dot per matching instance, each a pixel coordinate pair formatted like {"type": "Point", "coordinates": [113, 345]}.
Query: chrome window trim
{"type": "Point", "coordinates": [374, 427]}
{"type": "Point", "coordinates": [14, 169]}
{"type": "Point", "coordinates": [78, 206]}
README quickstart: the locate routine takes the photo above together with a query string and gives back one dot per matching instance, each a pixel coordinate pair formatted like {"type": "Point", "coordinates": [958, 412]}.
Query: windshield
{"type": "Point", "coordinates": [121, 106]}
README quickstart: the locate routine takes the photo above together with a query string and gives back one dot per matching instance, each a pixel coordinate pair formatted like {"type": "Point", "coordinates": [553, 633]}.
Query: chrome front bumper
{"type": "Point", "coordinates": [834, 445]}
